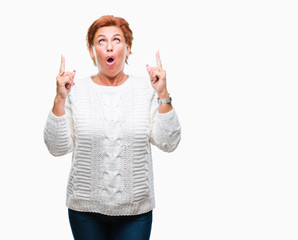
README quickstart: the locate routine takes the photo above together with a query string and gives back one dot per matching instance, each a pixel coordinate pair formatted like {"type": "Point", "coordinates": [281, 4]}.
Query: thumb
{"type": "Point", "coordinates": [148, 69]}
{"type": "Point", "coordinates": [73, 73]}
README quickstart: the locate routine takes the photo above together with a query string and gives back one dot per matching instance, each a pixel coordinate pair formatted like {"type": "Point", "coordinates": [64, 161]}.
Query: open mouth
{"type": "Point", "coordinates": [110, 60]}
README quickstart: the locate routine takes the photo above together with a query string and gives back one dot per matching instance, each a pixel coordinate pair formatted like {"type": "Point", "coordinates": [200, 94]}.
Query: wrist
{"type": "Point", "coordinates": [59, 100]}
{"type": "Point", "coordinates": [163, 95]}
{"type": "Point", "coordinates": [59, 105]}
{"type": "Point", "coordinates": [164, 98]}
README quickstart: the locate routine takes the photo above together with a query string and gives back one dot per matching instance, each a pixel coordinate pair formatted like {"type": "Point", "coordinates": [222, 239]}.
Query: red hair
{"type": "Point", "coordinates": [109, 20]}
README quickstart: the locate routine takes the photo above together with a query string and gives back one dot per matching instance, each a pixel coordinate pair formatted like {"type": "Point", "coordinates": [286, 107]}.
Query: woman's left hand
{"type": "Point", "coordinates": [158, 77]}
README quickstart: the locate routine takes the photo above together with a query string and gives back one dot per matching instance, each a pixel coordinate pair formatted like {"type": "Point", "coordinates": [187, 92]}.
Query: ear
{"type": "Point", "coordinates": [127, 51]}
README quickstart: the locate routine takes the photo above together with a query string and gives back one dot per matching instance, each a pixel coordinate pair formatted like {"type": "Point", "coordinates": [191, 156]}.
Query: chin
{"type": "Point", "coordinates": [114, 71]}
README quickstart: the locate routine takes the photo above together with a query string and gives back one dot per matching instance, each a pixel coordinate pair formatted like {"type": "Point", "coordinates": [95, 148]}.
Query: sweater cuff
{"type": "Point", "coordinates": [169, 121]}
{"type": "Point", "coordinates": [59, 120]}
{"type": "Point", "coordinates": [167, 115]}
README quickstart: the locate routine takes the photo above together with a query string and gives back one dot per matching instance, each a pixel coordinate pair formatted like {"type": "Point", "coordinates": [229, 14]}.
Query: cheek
{"type": "Point", "coordinates": [125, 52]}
{"type": "Point", "coordinates": [98, 52]}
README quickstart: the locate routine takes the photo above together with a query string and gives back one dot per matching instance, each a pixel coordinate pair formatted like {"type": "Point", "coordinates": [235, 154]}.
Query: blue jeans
{"type": "Point", "coordinates": [96, 226]}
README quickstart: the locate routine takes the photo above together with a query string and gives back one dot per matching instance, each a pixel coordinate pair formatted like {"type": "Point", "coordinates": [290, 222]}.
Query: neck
{"type": "Point", "coordinates": [105, 80]}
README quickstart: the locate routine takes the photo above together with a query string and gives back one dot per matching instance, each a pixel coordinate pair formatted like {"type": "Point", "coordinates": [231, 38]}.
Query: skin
{"type": "Point", "coordinates": [158, 81]}
{"type": "Point", "coordinates": [64, 82]}
{"type": "Point", "coordinates": [110, 41]}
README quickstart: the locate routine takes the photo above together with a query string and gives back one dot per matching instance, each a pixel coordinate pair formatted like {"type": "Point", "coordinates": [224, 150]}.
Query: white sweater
{"type": "Point", "coordinates": [109, 131]}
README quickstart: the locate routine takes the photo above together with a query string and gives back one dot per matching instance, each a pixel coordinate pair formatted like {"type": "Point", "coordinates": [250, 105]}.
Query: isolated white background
{"type": "Point", "coordinates": [232, 73]}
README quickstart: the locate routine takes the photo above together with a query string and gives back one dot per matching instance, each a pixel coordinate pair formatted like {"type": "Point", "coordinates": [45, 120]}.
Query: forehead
{"type": "Point", "coordinates": [108, 31]}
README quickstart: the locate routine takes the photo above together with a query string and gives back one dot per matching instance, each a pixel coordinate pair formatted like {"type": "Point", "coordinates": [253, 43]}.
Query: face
{"type": "Point", "coordinates": [110, 50]}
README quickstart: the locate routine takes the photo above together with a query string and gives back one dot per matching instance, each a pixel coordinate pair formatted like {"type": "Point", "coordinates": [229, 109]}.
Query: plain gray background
{"type": "Point", "coordinates": [232, 73]}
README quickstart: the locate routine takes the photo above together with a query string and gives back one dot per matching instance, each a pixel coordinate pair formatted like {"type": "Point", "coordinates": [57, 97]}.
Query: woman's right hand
{"type": "Point", "coordinates": [64, 81]}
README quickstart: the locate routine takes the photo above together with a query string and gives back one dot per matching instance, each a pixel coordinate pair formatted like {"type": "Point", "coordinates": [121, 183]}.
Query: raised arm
{"type": "Point", "coordinates": [158, 81]}
{"type": "Point", "coordinates": [165, 130]}
{"type": "Point", "coordinates": [64, 82]}
{"type": "Point", "coordinates": [59, 133]}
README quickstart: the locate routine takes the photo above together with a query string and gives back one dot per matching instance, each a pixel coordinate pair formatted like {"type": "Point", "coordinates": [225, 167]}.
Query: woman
{"type": "Point", "coordinates": [108, 122]}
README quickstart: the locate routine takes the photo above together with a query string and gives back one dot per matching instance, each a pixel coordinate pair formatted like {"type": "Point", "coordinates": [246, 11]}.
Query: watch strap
{"type": "Point", "coordinates": [166, 100]}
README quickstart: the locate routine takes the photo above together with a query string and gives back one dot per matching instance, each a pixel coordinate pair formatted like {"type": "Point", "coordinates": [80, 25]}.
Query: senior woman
{"type": "Point", "coordinates": [108, 122]}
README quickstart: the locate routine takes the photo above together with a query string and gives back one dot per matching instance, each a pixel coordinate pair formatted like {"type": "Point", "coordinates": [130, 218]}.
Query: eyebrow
{"type": "Point", "coordinates": [115, 35]}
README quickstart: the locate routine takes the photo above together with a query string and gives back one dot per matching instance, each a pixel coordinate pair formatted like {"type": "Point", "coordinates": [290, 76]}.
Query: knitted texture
{"type": "Point", "coordinates": [109, 131]}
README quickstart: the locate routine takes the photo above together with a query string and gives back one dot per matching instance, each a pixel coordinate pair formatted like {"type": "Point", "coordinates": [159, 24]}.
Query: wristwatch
{"type": "Point", "coordinates": [166, 100]}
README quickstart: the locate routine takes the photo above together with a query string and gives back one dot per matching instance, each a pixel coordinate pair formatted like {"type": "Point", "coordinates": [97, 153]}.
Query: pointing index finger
{"type": "Point", "coordinates": [62, 65]}
{"type": "Point", "coordinates": [158, 61]}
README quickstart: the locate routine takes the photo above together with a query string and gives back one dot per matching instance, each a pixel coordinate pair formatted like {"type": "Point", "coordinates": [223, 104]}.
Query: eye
{"type": "Point", "coordinates": [101, 41]}
{"type": "Point", "coordinates": [116, 40]}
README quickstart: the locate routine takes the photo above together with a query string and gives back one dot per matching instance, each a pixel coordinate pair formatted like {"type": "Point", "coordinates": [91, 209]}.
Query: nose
{"type": "Point", "coordinates": [109, 46]}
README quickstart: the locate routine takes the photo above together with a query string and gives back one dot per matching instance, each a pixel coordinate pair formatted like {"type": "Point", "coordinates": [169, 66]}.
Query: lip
{"type": "Point", "coordinates": [112, 62]}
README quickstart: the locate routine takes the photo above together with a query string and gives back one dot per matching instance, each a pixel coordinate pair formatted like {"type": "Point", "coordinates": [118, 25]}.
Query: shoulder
{"type": "Point", "coordinates": [141, 83]}
{"type": "Point", "coordinates": [82, 82]}
{"type": "Point", "coordinates": [81, 85]}
{"type": "Point", "coordinates": [142, 87]}
{"type": "Point", "coordinates": [80, 90]}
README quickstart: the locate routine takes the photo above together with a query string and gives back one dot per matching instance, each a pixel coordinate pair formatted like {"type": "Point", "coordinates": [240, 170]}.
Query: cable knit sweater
{"type": "Point", "coordinates": [109, 131]}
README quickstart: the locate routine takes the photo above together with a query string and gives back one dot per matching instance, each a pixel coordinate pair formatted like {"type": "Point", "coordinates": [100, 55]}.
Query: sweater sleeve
{"type": "Point", "coordinates": [59, 135]}
{"type": "Point", "coordinates": [165, 129]}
